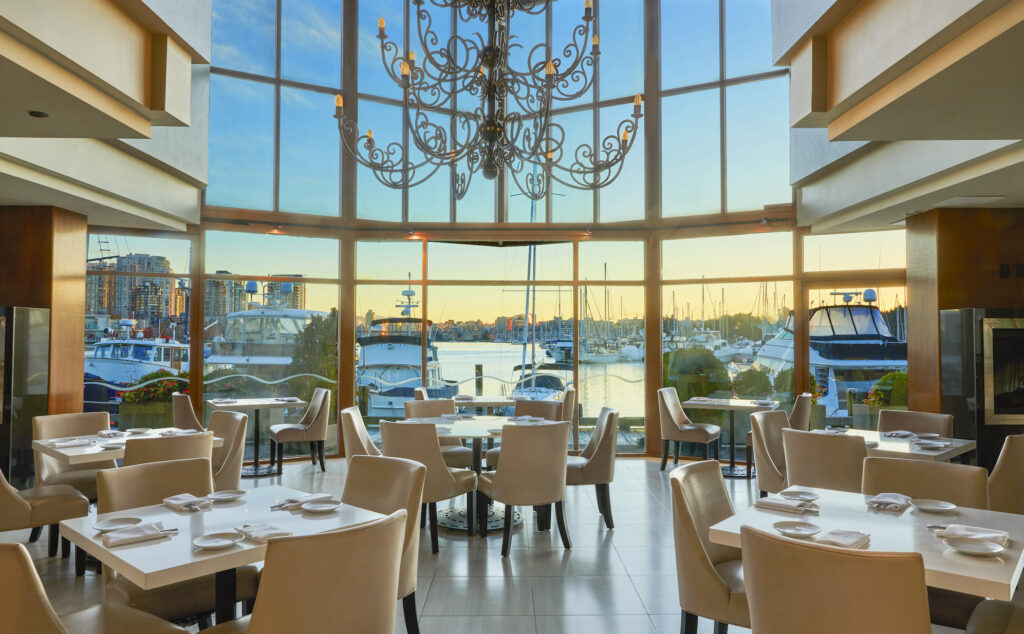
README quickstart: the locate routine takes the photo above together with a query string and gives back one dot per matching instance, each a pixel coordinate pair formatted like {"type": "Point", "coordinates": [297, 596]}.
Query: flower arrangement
{"type": "Point", "coordinates": [891, 389]}
{"type": "Point", "coordinates": [158, 391]}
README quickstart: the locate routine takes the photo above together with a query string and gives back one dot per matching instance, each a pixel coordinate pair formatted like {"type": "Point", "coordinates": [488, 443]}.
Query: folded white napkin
{"type": "Point", "coordinates": [180, 501]}
{"type": "Point", "coordinates": [835, 431]}
{"type": "Point", "coordinates": [174, 431]}
{"type": "Point", "coordinates": [897, 434]}
{"type": "Point", "coordinates": [889, 502]}
{"type": "Point", "coordinates": [976, 533]}
{"type": "Point", "coordinates": [463, 397]}
{"type": "Point", "coordinates": [787, 506]}
{"type": "Point", "coordinates": [67, 443]}
{"type": "Point", "coordinates": [845, 539]}
{"type": "Point", "coordinates": [132, 534]}
{"type": "Point", "coordinates": [286, 399]}
{"type": "Point", "coordinates": [261, 532]}
{"type": "Point", "coordinates": [934, 444]}
{"type": "Point", "coordinates": [450, 416]}
{"type": "Point", "coordinates": [870, 444]}
{"type": "Point", "coordinates": [289, 504]}
{"type": "Point", "coordinates": [412, 421]}
{"type": "Point", "coordinates": [110, 433]}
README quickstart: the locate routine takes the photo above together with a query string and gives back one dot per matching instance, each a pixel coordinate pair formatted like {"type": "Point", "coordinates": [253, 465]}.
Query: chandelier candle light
{"type": "Point", "coordinates": [507, 123]}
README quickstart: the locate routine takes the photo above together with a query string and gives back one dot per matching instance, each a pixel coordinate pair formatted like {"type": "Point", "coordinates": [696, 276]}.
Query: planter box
{"type": "Point", "coordinates": [152, 415]}
{"type": "Point", "coordinates": [817, 420]}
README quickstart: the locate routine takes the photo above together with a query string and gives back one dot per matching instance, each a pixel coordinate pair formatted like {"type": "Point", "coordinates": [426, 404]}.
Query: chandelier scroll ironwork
{"type": "Point", "coordinates": [482, 102]}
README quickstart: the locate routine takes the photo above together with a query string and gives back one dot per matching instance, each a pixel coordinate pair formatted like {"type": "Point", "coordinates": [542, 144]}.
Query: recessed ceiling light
{"type": "Point", "coordinates": [38, 114]}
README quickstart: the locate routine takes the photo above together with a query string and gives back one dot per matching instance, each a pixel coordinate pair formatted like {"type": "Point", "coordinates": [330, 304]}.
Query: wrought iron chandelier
{"type": "Point", "coordinates": [508, 124]}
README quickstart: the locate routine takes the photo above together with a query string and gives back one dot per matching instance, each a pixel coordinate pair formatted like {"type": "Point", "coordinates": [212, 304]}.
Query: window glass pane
{"type": "Point", "coordinates": [851, 251]}
{"type": "Point", "coordinates": [748, 37]}
{"type": "Point", "coordinates": [309, 170]}
{"type": "Point", "coordinates": [373, 76]}
{"type": "Point", "coordinates": [689, 42]}
{"type": "Point", "coordinates": [626, 260]}
{"type": "Point", "coordinates": [138, 254]}
{"type": "Point", "coordinates": [623, 199]}
{"type": "Point", "coordinates": [478, 203]}
{"type": "Point", "coordinates": [757, 144]}
{"type": "Point", "coordinates": [311, 41]}
{"type": "Point", "coordinates": [430, 201]}
{"type": "Point", "coordinates": [566, 15]}
{"type": "Point", "coordinates": [389, 260]}
{"type": "Point", "coordinates": [728, 256]}
{"type": "Point", "coordinates": [376, 201]}
{"type": "Point", "coordinates": [621, 26]}
{"type": "Point", "coordinates": [241, 144]}
{"type": "Point", "coordinates": [243, 35]}
{"type": "Point", "coordinates": [449, 261]}
{"type": "Point", "coordinates": [567, 203]}
{"type": "Point", "coordinates": [691, 154]}
{"type": "Point", "coordinates": [270, 255]}
{"type": "Point", "coordinates": [522, 208]}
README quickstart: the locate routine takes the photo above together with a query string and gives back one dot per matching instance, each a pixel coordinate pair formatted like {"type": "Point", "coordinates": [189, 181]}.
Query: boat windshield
{"type": "Point", "coordinates": [143, 353]}
{"type": "Point", "coordinates": [396, 328]}
{"type": "Point", "coordinates": [848, 321]}
{"type": "Point", "coordinates": [266, 328]}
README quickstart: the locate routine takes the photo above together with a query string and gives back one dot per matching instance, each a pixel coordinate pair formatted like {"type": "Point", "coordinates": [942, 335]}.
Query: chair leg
{"type": "Point", "coordinates": [718, 447]}
{"type": "Point", "coordinates": [763, 494]}
{"type": "Point", "coordinates": [54, 537]}
{"type": "Point", "coordinates": [320, 452]}
{"type": "Point", "coordinates": [470, 513]}
{"type": "Point", "coordinates": [750, 461]}
{"type": "Point", "coordinates": [664, 453]}
{"type": "Point", "coordinates": [79, 562]}
{"type": "Point", "coordinates": [204, 621]}
{"type": "Point", "coordinates": [423, 515]}
{"type": "Point", "coordinates": [65, 548]}
{"type": "Point", "coordinates": [247, 606]}
{"type": "Point", "coordinates": [482, 509]}
{"type": "Point", "coordinates": [432, 510]}
{"type": "Point", "coordinates": [506, 539]}
{"type": "Point", "coordinates": [412, 626]}
{"type": "Point", "coordinates": [563, 530]}
{"type": "Point", "coordinates": [33, 536]}
{"type": "Point", "coordinates": [312, 451]}
{"type": "Point", "coordinates": [273, 451]}
{"type": "Point", "coordinates": [704, 451]}
{"type": "Point", "coordinates": [721, 628]}
{"type": "Point", "coordinates": [280, 458]}
{"type": "Point", "coordinates": [675, 458]}
{"type": "Point", "coordinates": [604, 501]}
{"type": "Point", "coordinates": [689, 623]}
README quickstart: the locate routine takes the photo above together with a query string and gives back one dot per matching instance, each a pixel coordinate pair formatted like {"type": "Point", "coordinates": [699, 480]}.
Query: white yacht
{"type": "Point", "coordinates": [261, 338]}
{"type": "Point", "coordinates": [123, 361]}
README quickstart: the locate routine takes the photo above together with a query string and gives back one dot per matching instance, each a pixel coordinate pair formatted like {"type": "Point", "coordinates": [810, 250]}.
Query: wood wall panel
{"type": "Point", "coordinates": [923, 375]}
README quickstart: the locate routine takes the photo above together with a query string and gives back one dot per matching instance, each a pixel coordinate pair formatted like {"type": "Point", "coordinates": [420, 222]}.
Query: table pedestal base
{"type": "Point", "coordinates": [258, 471]}
{"type": "Point", "coordinates": [731, 471]}
{"type": "Point", "coordinates": [454, 518]}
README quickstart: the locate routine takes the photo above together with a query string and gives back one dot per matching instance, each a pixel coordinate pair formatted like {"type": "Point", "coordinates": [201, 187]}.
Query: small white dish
{"type": "Point", "coordinates": [225, 496]}
{"type": "Point", "coordinates": [797, 530]}
{"type": "Point", "coordinates": [870, 444]}
{"type": "Point", "coordinates": [804, 496]}
{"type": "Point", "coordinates": [495, 430]}
{"type": "Point", "coordinates": [217, 541]}
{"type": "Point", "coordinates": [444, 432]}
{"type": "Point", "coordinates": [328, 506]}
{"type": "Point", "coordinates": [933, 506]}
{"type": "Point", "coordinates": [928, 434]}
{"type": "Point", "coordinates": [932, 444]}
{"type": "Point", "coordinates": [139, 430]}
{"type": "Point", "coordinates": [112, 445]}
{"type": "Point", "coordinates": [115, 523]}
{"type": "Point", "coordinates": [974, 547]}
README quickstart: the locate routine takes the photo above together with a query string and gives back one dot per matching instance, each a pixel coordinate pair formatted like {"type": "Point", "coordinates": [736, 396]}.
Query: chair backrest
{"type": "Point", "coordinates": [23, 602]}
{"type": "Point", "coordinates": [769, 454]}
{"type": "Point", "coordinates": [303, 584]}
{"type": "Point", "coordinates": [960, 484]}
{"type": "Point", "coordinates": [146, 484]}
{"type": "Point", "coordinates": [420, 394]}
{"type": "Point", "coordinates": [1006, 484]}
{"type": "Point", "coordinates": [800, 416]}
{"type": "Point", "coordinates": [532, 467]}
{"type": "Point", "coordinates": [548, 410]}
{"type": "Point", "coordinates": [700, 500]}
{"type": "Point", "coordinates": [227, 459]}
{"type": "Point", "coordinates": [418, 442]}
{"type": "Point", "coordinates": [60, 426]}
{"type": "Point", "coordinates": [600, 451]}
{"type": "Point", "coordinates": [15, 511]}
{"type": "Point", "coordinates": [183, 412]}
{"type": "Point", "coordinates": [385, 485]}
{"type": "Point", "coordinates": [318, 414]}
{"type": "Point", "coordinates": [569, 405]}
{"type": "Point", "coordinates": [824, 461]}
{"type": "Point", "coordinates": [354, 435]}
{"type": "Point", "coordinates": [799, 587]}
{"type": "Point", "coordinates": [915, 422]}
{"type": "Point", "coordinates": [671, 412]}
{"type": "Point", "coordinates": [143, 450]}
{"type": "Point", "coordinates": [429, 409]}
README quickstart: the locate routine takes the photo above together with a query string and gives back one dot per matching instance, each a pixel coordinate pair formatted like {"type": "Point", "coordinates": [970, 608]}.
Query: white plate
{"type": "Point", "coordinates": [870, 444]}
{"type": "Point", "coordinates": [225, 496]}
{"type": "Point", "coordinates": [805, 496]}
{"type": "Point", "coordinates": [798, 530]}
{"type": "Point", "coordinates": [321, 507]}
{"type": "Point", "coordinates": [932, 444]}
{"type": "Point", "coordinates": [928, 434]}
{"type": "Point", "coordinates": [112, 444]}
{"type": "Point", "coordinates": [933, 506]}
{"type": "Point", "coordinates": [974, 547]}
{"type": "Point", "coordinates": [115, 523]}
{"type": "Point", "coordinates": [495, 430]}
{"type": "Point", "coordinates": [139, 430]}
{"type": "Point", "coordinates": [217, 541]}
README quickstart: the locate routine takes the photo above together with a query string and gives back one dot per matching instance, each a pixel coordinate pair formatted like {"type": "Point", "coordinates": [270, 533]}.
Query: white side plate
{"type": "Point", "coordinates": [217, 541]}
{"type": "Point", "coordinates": [112, 444]}
{"type": "Point", "coordinates": [805, 496]}
{"type": "Point", "coordinates": [974, 547]}
{"type": "Point", "coordinates": [321, 507]}
{"type": "Point", "coordinates": [139, 430]}
{"type": "Point", "coordinates": [225, 496]}
{"type": "Point", "coordinates": [115, 523]}
{"type": "Point", "coordinates": [798, 530]}
{"type": "Point", "coordinates": [933, 506]}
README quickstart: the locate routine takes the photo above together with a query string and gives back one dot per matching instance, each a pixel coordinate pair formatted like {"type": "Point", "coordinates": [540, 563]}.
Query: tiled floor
{"type": "Point", "coordinates": [621, 580]}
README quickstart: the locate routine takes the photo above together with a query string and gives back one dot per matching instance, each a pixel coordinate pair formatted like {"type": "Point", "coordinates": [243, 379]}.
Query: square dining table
{"type": "Point", "coordinates": [161, 562]}
{"type": "Point", "coordinates": [994, 577]}
{"type": "Point", "coordinates": [731, 405]}
{"type": "Point", "coordinates": [256, 470]}
{"type": "Point", "coordinates": [906, 447]}
{"type": "Point", "coordinates": [488, 402]}
{"type": "Point", "coordinates": [95, 452]}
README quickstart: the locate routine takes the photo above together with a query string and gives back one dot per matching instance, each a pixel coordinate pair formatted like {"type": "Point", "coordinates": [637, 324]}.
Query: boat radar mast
{"type": "Point", "coordinates": [869, 295]}
{"type": "Point", "coordinates": [408, 305]}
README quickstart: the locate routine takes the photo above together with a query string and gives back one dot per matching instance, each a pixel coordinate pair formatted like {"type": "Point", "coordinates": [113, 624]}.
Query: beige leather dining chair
{"type": "Point", "coordinates": [339, 581]}
{"type": "Point", "coordinates": [568, 406]}
{"type": "Point", "coordinates": [38, 507]}
{"type": "Point", "coordinates": [595, 464]}
{"type": "Point", "coordinates": [532, 473]}
{"type": "Point", "coordinates": [799, 587]}
{"type": "Point", "coordinates": [226, 460]}
{"type": "Point", "coordinates": [766, 428]}
{"type": "Point", "coordinates": [548, 410]}
{"type": "Point", "coordinates": [915, 422]}
{"type": "Point", "coordinates": [420, 394]}
{"type": "Point", "coordinates": [418, 442]}
{"type": "Point", "coordinates": [26, 608]}
{"type": "Point", "coordinates": [311, 428]}
{"type": "Point", "coordinates": [356, 440]}
{"type": "Point", "coordinates": [710, 576]}
{"type": "Point", "coordinates": [51, 471]}
{"type": "Point", "coordinates": [183, 412]}
{"type": "Point", "coordinates": [143, 450]}
{"type": "Point", "coordinates": [147, 484]}
{"type": "Point", "coordinates": [960, 484]}
{"type": "Point", "coordinates": [996, 617]}
{"type": "Point", "coordinates": [824, 461]}
{"type": "Point", "coordinates": [455, 454]}
{"type": "Point", "coordinates": [1006, 484]}
{"type": "Point", "coordinates": [677, 427]}
{"type": "Point", "coordinates": [385, 485]}
{"type": "Point", "coordinates": [799, 418]}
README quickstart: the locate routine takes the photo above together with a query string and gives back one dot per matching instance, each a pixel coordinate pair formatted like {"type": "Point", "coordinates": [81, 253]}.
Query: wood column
{"type": "Point", "coordinates": [42, 265]}
{"type": "Point", "coordinates": [924, 380]}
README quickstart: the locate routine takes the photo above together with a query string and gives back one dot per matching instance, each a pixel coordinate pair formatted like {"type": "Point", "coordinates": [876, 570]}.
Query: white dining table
{"type": "Point", "coordinates": [488, 402]}
{"type": "Point", "coordinates": [994, 577]}
{"type": "Point", "coordinates": [255, 470]}
{"type": "Point", "coordinates": [86, 454]}
{"type": "Point", "coordinates": [157, 563]}
{"type": "Point", "coordinates": [905, 447]}
{"type": "Point", "coordinates": [731, 405]}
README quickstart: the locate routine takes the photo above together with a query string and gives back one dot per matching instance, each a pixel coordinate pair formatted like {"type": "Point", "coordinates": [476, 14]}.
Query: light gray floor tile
{"type": "Point", "coordinates": [556, 596]}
